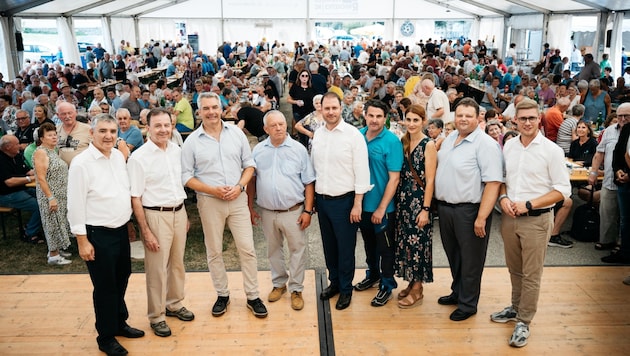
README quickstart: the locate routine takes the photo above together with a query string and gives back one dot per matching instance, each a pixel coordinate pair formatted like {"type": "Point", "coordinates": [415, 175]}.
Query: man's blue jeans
{"type": "Point", "coordinates": [27, 201]}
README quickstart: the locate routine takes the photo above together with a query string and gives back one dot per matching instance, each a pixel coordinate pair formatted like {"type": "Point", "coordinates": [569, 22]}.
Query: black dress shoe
{"type": "Point", "coordinates": [448, 300]}
{"type": "Point", "coordinates": [112, 348]}
{"type": "Point", "coordinates": [459, 315]}
{"type": "Point", "coordinates": [129, 332]}
{"type": "Point", "coordinates": [343, 302]}
{"type": "Point", "coordinates": [329, 292]}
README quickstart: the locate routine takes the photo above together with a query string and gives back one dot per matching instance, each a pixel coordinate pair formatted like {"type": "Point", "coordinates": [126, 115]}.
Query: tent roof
{"type": "Point", "coordinates": [162, 8]}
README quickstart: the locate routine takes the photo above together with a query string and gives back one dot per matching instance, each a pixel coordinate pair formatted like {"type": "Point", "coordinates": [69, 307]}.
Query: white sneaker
{"type": "Point", "coordinates": [58, 261]}
{"type": "Point", "coordinates": [520, 335]}
{"type": "Point", "coordinates": [65, 254]}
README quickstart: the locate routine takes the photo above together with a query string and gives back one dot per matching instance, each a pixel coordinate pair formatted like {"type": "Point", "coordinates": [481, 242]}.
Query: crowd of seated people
{"type": "Point", "coordinates": [430, 74]}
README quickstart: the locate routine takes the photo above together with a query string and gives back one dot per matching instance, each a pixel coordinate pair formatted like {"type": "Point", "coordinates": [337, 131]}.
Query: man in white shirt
{"type": "Point", "coordinates": [535, 179]}
{"type": "Point", "coordinates": [99, 207]}
{"type": "Point", "coordinates": [340, 158]}
{"type": "Point", "coordinates": [157, 199]}
{"type": "Point", "coordinates": [438, 106]}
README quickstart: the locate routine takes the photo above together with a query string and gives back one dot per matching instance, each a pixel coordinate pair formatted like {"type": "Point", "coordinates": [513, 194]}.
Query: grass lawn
{"type": "Point", "coordinates": [25, 258]}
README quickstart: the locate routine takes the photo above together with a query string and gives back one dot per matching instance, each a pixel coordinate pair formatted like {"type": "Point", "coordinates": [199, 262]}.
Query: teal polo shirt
{"type": "Point", "coordinates": [385, 154]}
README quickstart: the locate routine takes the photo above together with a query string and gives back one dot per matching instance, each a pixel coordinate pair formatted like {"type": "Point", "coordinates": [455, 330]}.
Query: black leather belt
{"type": "Point", "coordinates": [537, 212]}
{"type": "Point", "coordinates": [165, 208]}
{"type": "Point", "coordinates": [293, 208]}
{"type": "Point", "coordinates": [456, 205]}
{"type": "Point", "coordinates": [336, 197]}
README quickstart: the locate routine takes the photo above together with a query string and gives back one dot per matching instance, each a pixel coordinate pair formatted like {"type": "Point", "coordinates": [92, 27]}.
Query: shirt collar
{"type": "Point", "coordinates": [95, 153]}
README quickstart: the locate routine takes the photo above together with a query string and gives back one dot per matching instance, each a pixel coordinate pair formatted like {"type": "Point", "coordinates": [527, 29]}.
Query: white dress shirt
{"type": "Point", "coordinates": [340, 158]}
{"type": "Point", "coordinates": [155, 175]}
{"type": "Point", "coordinates": [98, 191]}
{"type": "Point", "coordinates": [535, 170]}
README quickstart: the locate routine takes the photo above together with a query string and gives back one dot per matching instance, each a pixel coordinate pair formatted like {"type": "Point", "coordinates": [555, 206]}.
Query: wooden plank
{"type": "Point", "coordinates": [582, 310]}
{"type": "Point", "coordinates": [54, 313]}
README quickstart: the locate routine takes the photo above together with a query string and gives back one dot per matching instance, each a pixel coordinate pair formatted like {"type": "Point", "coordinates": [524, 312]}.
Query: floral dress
{"type": "Point", "coordinates": [311, 123]}
{"type": "Point", "coordinates": [414, 258]}
{"type": "Point", "coordinates": [55, 223]}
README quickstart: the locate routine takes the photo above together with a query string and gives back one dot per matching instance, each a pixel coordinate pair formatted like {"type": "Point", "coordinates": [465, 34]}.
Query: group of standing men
{"type": "Point", "coordinates": [345, 180]}
{"type": "Point", "coordinates": [527, 179]}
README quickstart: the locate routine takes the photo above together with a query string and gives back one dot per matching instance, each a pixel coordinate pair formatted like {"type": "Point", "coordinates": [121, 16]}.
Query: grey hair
{"type": "Point", "coordinates": [122, 111]}
{"type": "Point", "coordinates": [102, 118]}
{"type": "Point", "coordinates": [207, 95]}
{"type": "Point", "coordinates": [317, 98]}
{"type": "Point", "coordinates": [582, 85]}
{"type": "Point", "coordinates": [272, 112]}
{"type": "Point", "coordinates": [578, 110]}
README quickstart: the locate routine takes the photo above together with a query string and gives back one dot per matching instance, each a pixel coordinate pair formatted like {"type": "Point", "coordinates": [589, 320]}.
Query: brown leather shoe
{"type": "Point", "coordinates": [297, 303]}
{"type": "Point", "coordinates": [276, 293]}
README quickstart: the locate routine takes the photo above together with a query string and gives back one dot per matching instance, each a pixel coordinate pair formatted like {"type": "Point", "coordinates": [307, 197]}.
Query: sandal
{"type": "Point", "coordinates": [412, 300]}
{"type": "Point", "coordinates": [405, 292]}
{"type": "Point", "coordinates": [33, 239]}
{"type": "Point", "coordinates": [604, 246]}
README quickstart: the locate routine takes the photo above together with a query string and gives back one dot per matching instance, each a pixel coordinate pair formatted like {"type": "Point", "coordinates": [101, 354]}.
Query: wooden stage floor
{"type": "Point", "coordinates": [582, 310]}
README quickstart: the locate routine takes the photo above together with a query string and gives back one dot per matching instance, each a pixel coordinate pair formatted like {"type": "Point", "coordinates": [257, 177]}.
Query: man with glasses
{"type": "Point", "coordinates": [25, 129]}
{"type": "Point", "coordinates": [535, 180]}
{"type": "Point", "coordinates": [73, 136]}
{"type": "Point", "coordinates": [609, 204]}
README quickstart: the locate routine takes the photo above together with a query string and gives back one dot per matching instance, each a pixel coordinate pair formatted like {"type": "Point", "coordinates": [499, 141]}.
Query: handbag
{"type": "Point", "coordinates": [421, 184]}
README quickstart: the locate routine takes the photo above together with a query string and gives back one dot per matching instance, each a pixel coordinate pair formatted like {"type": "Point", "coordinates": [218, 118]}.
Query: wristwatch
{"type": "Point", "coordinates": [242, 187]}
{"type": "Point", "coordinates": [426, 208]}
{"type": "Point", "coordinates": [309, 212]}
{"type": "Point", "coordinates": [528, 205]}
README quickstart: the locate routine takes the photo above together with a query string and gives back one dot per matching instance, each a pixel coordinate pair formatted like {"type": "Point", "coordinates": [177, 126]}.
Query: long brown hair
{"type": "Point", "coordinates": [406, 139]}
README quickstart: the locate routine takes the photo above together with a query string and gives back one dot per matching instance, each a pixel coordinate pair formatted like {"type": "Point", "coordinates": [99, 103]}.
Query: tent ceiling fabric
{"type": "Point", "coordinates": [144, 8]}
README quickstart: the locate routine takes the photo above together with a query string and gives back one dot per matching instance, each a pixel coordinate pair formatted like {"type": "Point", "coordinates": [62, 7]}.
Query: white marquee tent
{"type": "Point", "coordinates": [138, 21]}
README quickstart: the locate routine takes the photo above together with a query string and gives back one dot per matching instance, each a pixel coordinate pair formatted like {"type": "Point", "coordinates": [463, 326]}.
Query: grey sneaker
{"type": "Point", "coordinates": [381, 298]}
{"type": "Point", "coordinates": [182, 314]}
{"type": "Point", "coordinates": [65, 254]}
{"type": "Point", "coordinates": [520, 335]}
{"type": "Point", "coordinates": [505, 315]}
{"type": "Point", "coordinates": [58, 260]}
{"type": "Point", "coordinates": [257, 307]}
{"type": "Point", "coordinates": [558, 241]}
{"type": "Point", "coordinates": [161, 329]}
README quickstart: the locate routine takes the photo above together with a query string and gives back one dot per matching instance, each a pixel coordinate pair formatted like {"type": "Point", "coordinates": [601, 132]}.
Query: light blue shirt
{"type": "Point", "coordinates": [216, 163]}
{"type": "Point", "coordinates": [385, 154]}
{"type": "Point", "coordinates": [281, 173]}
{"type": "Point", "coordinates": [133, 136]}
{"type": "Point", "coordinates": [463, 169]}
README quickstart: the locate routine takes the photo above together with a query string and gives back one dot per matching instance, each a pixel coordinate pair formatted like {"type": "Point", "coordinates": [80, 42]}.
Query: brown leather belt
{"type": "Point", "coordinates": [165, 208]}
{"type": "Point", "coordinates": [293, 208]}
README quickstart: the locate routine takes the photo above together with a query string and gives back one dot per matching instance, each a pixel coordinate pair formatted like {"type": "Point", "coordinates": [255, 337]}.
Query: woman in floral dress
{"type": "Point", "coordinates": [414, 259]}
{"type": "Point", "coordinates": [51, 173]}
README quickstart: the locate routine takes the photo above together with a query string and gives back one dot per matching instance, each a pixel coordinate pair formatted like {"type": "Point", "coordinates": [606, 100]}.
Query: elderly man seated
{"type": "Point", "coordinates": [14, 176]}
{"type": "Point", "coordinates": [129, 133]}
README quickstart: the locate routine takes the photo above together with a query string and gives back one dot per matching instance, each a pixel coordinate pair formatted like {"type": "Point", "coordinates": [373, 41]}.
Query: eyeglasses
{"type": "Point", "coordinates": [623, 116]}
{"type": "Point", "coordinates": [304, 76]}
{"type": "Point", "coordinates": [528, 118]}
{"type": "Point", "coordinates": [22, 118]}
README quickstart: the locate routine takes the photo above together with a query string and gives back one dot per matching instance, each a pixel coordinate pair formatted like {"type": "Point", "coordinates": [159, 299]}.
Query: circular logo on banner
{"type": "Point", "coordinates": [407, 28]}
